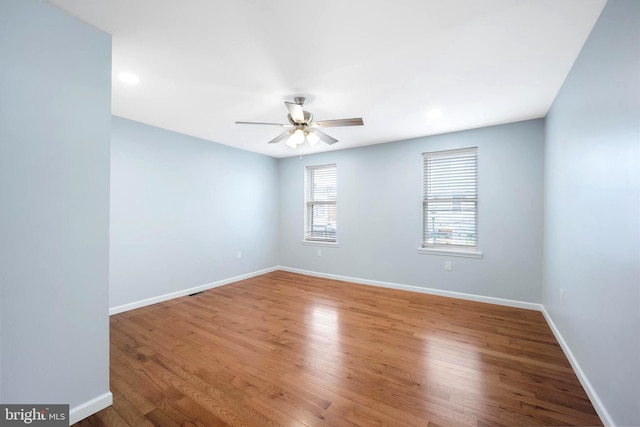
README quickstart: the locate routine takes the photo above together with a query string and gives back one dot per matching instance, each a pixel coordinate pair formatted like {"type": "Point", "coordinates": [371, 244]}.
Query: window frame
{"type": "Point", "coordinates": [450, 249]}
{"type": "Point", "coordinates": [308, 237]}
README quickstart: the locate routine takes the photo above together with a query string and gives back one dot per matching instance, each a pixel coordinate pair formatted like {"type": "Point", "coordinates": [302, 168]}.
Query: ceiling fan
{"type": "Point", "coordinates": [301, 126]}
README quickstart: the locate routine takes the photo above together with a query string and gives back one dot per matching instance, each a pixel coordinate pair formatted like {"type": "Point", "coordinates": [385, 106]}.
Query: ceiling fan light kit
{"type": "Point", "coordinates": [296, 138]}
{"type": "Point", "coordinates": [302, 128]}
{"type": "Point", "coordinates": [312, 138]}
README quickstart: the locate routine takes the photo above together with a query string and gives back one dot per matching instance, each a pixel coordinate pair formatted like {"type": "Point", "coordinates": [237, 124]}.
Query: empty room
{"type": "Point", "coordinates": [296, 213]}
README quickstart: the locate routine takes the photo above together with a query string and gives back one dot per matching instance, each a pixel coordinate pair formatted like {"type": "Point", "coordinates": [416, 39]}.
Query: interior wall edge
{"type": "Point", "coordinates": [584, 381]}
{"type": "Point", "coordinates": [582, 377]}
{"type": "Point", "coordinates": [423, 290]}
{"type": "Point", "coordinates": [184, 292]}
{"type": "Point", "coordinates": [90, 407]}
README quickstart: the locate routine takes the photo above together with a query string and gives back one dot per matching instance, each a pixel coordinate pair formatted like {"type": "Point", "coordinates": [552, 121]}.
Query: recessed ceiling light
{"type": "Point", "coordinates": [434, 114]}
{"type": "Point", "coordinates": [129, 78]}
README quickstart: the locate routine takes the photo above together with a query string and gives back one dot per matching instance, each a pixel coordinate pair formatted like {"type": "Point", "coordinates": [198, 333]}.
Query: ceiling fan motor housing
{"type": "Point", "coordinates": [308, 118]}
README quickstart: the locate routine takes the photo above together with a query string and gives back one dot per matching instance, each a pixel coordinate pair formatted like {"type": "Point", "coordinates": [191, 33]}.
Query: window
{"type": "Point", "coordinates": [450, 200]}
{"type": "Point", "coordinates": [320, 203]}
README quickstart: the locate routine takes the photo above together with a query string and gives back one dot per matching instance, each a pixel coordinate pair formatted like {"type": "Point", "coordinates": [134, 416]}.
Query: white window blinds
{"type": "Point", "coordinates": [450, 199]}
{"type": "Point", "coordinates": [320, 203]}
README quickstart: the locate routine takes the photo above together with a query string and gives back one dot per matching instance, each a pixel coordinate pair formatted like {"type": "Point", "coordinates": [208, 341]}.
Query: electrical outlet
{"type": "Point", "coordinates": [319, 253]}
{"type": "Point", "coordinates": [239, 255]}
{"type": "Point", "coordinates": [447, 265]}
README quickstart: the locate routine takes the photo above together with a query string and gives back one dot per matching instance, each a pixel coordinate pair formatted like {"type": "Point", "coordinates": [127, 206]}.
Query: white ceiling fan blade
{"type": "Point", "coordinates": [265, 123]}
{"type": "Point", "coordinates": [356, 121]}
{"type": "Point", "coordinates": [284, 135]}
{"type": "Point", "coordinates": [323, 136]}
{"type": "Point", "coordinates": [295, 111]}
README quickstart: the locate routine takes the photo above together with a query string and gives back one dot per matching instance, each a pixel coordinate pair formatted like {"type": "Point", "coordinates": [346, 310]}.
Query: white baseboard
{"type": "Point", "coordinates": [591, 393]}
{"type": "Point", "coordinates": [102, 402]}
{"type": "Point", "coordinates": [430, 291]}
{"type": "Point", "coordinates": [184, 292]}
{"type": "Point", "coordinates": [588, 388]}
{"type": "Point", "coordinates": [90, 407]}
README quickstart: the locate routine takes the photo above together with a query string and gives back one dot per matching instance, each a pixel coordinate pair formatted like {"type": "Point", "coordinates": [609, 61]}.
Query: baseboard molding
{"type": "Point", "coordinates": [588, 388]}
{"type": "Point", "coordinates": [184, 292]}
{"type": "Point", "coordinates": [430, 291]}
{"type": "Point", "coordinates": [591, 393]}
{"type": "Point", "coordinates": [82, 411]}
{"type": "Point", "coordinates": [90, 407]}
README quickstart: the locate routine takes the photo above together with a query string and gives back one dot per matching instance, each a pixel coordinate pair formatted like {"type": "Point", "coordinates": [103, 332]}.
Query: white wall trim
{"type": "Point", "coordinates": [451, 252]}
{"type": "Point", "coordinates": [591, 393]}
{"type": "Point", "coordinates": [588, 388]}
{"type": "Point", "coordinates": [184, 292]}
{"type": "Point", "coordinates": [430, 291]}
{"type": "Point", "coordinates": [82, 411]}
{"type": "Point", "coordinates": [320, 243]}
{"type": "Point", "coordinates": [90, 407]}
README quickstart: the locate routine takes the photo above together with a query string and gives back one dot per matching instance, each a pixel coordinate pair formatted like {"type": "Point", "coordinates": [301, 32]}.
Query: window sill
{"type": "Point", "coordinates": [451, 252]}
{"type": "Point", "coordinates": [320, 243]}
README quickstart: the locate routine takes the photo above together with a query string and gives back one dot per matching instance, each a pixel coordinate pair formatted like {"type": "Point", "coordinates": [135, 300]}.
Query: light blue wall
{"type": "Point", "coordinates": [379, 214]}
{"type": "Point", "coordinates": [181, 209]}
{"type": "Point", "coordinates": [55, 118]}
{"type": "Point", "coordinates": [592, 214]}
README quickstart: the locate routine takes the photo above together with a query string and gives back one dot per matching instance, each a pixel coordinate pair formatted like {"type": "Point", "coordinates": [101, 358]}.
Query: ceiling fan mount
{"type": "Point", "coordinates": [303, 128]}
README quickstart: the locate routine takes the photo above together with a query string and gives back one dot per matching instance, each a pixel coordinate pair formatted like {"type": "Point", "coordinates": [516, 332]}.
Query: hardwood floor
{"type": "Point", "coordinates": [293, 350]}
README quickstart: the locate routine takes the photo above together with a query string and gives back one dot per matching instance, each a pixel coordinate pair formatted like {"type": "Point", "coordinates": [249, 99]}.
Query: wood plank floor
{"type": "Point", "coordinates": [293, 350]}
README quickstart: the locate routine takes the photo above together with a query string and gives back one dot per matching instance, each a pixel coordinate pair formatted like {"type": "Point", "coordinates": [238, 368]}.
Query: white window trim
{"type": "Point", "coordinates": [454, 251]}
{"type": "Point", "coordinates": [318, 241]}
{"type": "Point", "coordinates": [464, 253]}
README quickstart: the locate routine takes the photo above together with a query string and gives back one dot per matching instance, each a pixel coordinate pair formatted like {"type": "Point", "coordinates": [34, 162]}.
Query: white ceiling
{"type": "Point", "coordinates": [203, 64]}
